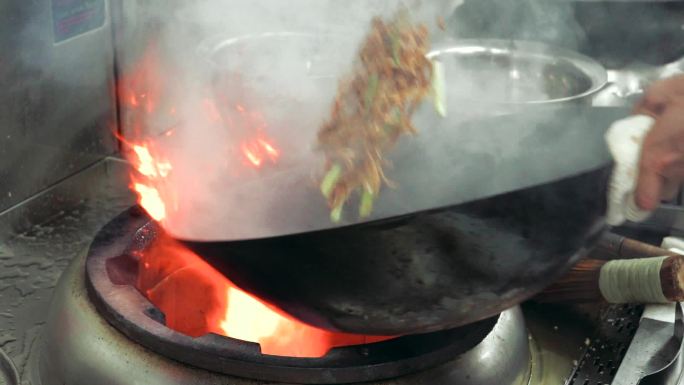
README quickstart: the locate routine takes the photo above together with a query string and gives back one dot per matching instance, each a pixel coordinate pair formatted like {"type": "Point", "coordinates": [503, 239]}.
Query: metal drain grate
{"type": "Point", "coordinates": [604, 352]}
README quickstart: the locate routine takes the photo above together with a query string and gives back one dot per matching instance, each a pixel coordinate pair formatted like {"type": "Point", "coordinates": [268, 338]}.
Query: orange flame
{"type": "Point", "coordinates": [152, 170]}
{"type": "Point", "coordinates": [143, 94]}
{"type": "Point", "coordinates": [149, 166]}
{"type": "Point", "coordinates": [249, 319]}
{"type": "Point", "coordinates": [151, 201]}
{"type": "Point", "coordinates": [196, 300]}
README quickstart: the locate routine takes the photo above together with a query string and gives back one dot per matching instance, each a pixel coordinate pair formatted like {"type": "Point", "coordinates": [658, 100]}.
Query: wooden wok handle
{"type": "Point", "coordinates": [581, 284]}
{"type": "Point", "coordinates": [613, 246]}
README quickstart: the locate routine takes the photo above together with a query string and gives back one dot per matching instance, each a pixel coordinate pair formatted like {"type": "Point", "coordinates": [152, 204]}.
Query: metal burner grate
{"type": "Point", "coordinates": [604, 352]}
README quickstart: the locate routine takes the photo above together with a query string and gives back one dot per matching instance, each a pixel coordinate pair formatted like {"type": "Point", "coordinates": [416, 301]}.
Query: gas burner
{"type": "Point", "coordinates": [102, 330]}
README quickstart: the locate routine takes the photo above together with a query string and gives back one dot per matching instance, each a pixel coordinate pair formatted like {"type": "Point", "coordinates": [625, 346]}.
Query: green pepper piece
{"type": "Point", "coordinates": [394, 39]}
{"type": "Point", "coordinates": [366, 207]}
{"type": "Point", "coordinates": [439, 88]}
{"type": "Point", "coordinates": [330, 180]}
{"type": "Point", "coordinates": [372, 89]}
{"type": "Point", "coordinates": [395, 113]}
{"type": "Point", "coordinates": [336, 214]}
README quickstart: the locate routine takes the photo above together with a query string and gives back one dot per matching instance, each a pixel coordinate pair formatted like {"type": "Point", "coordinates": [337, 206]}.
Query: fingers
{"type": "Point", "coordinates": [670, 189]}
{"type": "Point", "coordinates": [661, 167]}
{"type": "Point", "coordinates": [649, 190]}
{"type": "Point", "coordinates": [650, 105]}
{"type": "Point", "coordinates": [659, 95]}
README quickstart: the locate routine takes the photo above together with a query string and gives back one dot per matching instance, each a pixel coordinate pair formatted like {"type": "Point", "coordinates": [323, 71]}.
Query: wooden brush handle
{"type": "Point", "coordinates": [612, 246]}
{"type": "Point", "coordinates": [581, 284]}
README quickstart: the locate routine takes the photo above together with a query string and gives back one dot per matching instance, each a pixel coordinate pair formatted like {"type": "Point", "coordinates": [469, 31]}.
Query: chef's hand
{"type": "Point", "coordinates": [661, 169]}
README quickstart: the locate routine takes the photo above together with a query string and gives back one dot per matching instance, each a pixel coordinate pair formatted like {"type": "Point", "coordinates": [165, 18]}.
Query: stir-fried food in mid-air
{"type": "Point", "coordinates": [372, 110]}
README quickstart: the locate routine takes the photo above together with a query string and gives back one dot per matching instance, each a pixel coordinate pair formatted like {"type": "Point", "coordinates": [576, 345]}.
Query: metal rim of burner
{"type": "Point", "coordinates": [123, 306]}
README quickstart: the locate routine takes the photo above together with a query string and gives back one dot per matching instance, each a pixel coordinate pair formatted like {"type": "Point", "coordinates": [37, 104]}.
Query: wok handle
{"type": "Point", "coordinates": [581, 284]}
{"type": "Point", "coordinates": [612, 246]}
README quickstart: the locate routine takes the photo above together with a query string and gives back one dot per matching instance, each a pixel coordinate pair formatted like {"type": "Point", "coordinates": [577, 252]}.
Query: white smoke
{"type": "Point", "coordinates": [282, 60]}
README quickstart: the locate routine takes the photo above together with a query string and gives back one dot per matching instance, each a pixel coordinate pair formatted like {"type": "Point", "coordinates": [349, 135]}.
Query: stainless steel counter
{"type": "Point", "coordinates": [34, 251]}
{"type": "Point", "coordinates": [56, 106]}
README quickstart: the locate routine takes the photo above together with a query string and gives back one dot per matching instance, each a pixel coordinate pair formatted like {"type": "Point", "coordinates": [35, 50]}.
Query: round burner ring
{"type": "Point", "coordinates": [131, 313]}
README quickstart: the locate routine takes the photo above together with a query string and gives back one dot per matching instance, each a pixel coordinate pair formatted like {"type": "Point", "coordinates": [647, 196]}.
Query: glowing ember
{"type": "Point", "coordinates": [270, 150]}
{"type": "Point", "coordinates": [196, 300]}
{"type": "Point", "coordinates": [256, 151]}
{"type": "Point", "coordinates": [252, 154]}
{"type": "Point", "coordinates": [151, 201]}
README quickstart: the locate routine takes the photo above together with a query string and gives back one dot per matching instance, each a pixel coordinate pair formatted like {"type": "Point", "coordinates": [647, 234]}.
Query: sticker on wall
{"type": "Point", "coordinates": [71, 18]}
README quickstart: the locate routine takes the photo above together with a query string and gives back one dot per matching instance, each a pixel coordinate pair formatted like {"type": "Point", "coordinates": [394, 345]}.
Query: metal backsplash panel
{"type": "Point", "coordinates": [57, 105]}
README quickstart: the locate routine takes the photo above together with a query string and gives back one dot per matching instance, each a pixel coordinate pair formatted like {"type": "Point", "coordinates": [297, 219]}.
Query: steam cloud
{"type": "Point", "coordinates": [281, 61]}
{"type": "Point", "coordinates": [234, 52]}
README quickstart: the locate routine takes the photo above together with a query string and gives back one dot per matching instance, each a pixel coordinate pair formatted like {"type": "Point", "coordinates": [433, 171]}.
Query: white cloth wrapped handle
{"type": "Point", "coordinates": [625, 139]}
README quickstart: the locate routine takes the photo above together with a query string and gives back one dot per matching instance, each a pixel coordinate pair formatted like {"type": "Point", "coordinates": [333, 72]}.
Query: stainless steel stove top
{"type": "Point", "coordinates": [78, 347]}
{"type": "Point", "coordinates": [33, 255]}
{"type": "Point", "coordinates": [557, 342]}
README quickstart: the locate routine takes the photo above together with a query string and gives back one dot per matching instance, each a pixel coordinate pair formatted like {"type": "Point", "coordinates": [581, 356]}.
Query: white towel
{"type": "Point", "coordinates": [625, 139]}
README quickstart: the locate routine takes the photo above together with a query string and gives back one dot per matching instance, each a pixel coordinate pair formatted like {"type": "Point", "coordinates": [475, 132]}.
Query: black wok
{"type": "Point", "coordinates": [432, 270]}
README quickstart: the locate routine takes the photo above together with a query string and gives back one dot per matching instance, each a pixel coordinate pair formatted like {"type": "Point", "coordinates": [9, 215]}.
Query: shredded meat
{"type": "Point", "coordinates": [373, 109]}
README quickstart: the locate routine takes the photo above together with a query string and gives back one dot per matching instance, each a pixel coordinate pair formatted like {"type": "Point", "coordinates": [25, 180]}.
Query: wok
{"type": "Point", "coordinates": [444, 268]}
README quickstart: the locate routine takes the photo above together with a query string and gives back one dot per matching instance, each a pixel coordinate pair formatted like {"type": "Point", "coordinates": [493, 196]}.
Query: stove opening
{"type": "Point", "coordinates": [197, 300]}
{"type": "Point", "coordinates": [131, 263]}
